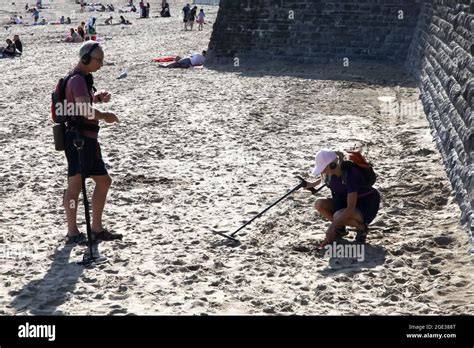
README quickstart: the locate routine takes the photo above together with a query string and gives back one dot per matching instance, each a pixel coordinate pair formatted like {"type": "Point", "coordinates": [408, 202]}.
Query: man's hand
{"type": "Point", "coordinates": [103, 97]}
{"type": "Point", "coordinates": [110, 117]}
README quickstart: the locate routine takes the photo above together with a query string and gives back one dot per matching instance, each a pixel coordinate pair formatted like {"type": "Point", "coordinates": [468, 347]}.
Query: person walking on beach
{"type": "Point", "coordinates": [35, 15]}
{"type": "Point", "coordinates": [80, 91]}
{"type": "Point", "coordinates": [354, 201]}
{"type": "Point", "coordinates": [200, 19]}
{"type": "Point", "coordinates": [186, 10]}
{"type": "Point", "coordinates": [192, 17]}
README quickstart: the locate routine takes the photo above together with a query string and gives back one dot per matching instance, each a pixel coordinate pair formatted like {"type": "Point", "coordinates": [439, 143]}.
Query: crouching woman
{"type": "Point", "coordinates": [354, 201]}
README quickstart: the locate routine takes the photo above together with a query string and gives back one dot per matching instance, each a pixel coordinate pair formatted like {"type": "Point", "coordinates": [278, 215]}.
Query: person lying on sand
{"type": "Point", "coordinates": [353, 203]}
{"type": "Point", "coordinates": [193, 60]}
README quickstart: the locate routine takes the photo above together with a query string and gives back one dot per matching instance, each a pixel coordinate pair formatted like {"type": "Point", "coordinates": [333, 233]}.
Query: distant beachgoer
{"type": "Point", "coordinates": [141, 5]}
{"type": "Point", "coordinates": [165, 11]}
{"type": "Point", "coordinates": [18, 44]}
{"type": "Point", "coordinates": [133, 9]}
{"type": "Point", "coordinates": [193, 60]}
{"type": "Point", "coordinates": [35, 14]}
{"type": "Point", "coordinates": [74, 36]}
{"type": "Point", "coordinates": [192, 17]}
{"type": "Point", "coordinates": [89, 27]}
{"type": "Point", "coordinates": [200, 19]}
{"type": "Point", "coordinates": [68, 20]}
{"type": "Point", "coordinates": [26, 7]}
{"type": "Point", "coordinates": [81, 32]}
{"type": "Point", "coordinates": [18, 20]}
{"type": "Point", "coordinates": [147, 10]}
{"type": "Point", "coordinates": [62, 20]}
{"type": "Point", "coordinates": [354, 201]}
{"type": "Point", "coordinates": [9, 50]}
{"type": "Point", "coordinates": [186, 10]}
{"type": "Point", "coordinates": [111, 7]}
{"type": "Point", "coordinates": [43, 21]}
{"type": "Point", "coordinates": [124, 21]}
{"type": "Point", "coordinates": [108, 21]}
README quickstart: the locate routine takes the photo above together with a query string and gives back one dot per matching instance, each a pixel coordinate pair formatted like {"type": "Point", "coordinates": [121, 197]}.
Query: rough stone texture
{"type": "Point", "coordinates": [441, 57]}
{"type": "Point", "coordinates": [434, 38]}
{"type": "Point", "coordinates": [305, 30]}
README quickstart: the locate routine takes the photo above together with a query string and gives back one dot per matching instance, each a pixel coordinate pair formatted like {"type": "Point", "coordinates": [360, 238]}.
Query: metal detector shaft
{"type": "Point", "coordinates": [296, 188]}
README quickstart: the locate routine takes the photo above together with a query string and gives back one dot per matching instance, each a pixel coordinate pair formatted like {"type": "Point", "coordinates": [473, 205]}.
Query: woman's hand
{"type": "Point", "coordinates": [310, 185]}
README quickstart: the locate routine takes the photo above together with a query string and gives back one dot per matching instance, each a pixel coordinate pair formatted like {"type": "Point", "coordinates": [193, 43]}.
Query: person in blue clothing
{"type": "Point", "coordinates": [353, 201]}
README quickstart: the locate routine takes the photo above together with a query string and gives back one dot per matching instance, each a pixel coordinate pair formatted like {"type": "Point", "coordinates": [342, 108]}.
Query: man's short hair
{"type": "Point", "coordinates": [86, 46]}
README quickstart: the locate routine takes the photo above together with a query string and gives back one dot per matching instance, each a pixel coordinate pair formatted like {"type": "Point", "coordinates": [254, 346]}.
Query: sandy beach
{"type": "Point", "coordinates": [202, 150]}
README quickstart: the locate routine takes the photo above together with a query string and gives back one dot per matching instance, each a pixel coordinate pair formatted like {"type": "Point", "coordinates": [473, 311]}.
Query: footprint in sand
{"type": "Point", "coordinates": [443, 241]}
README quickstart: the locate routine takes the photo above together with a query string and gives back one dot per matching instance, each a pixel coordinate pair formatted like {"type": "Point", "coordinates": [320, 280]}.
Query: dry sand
{"type": "Point", "coordinates": [204, 149]}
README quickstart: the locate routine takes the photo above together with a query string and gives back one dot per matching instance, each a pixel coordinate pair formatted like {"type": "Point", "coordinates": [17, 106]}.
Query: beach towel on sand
{"type": "Point", "coordinates": [164, 60]}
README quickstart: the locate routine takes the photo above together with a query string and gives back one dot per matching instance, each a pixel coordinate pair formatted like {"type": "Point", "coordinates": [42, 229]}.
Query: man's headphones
{"type": "Point", "coordinates": [86, 58]}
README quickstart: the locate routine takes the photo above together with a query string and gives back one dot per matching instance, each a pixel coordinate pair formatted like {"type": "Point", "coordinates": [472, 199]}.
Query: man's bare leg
{"type": "Point", "coordinates": [70, 203]}
{"type": "Point", "coordinates": [102, 185]}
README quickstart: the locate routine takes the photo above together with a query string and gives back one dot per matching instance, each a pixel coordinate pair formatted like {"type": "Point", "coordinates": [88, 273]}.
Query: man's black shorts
{"type": "Point", "coordinates": [93, 163]}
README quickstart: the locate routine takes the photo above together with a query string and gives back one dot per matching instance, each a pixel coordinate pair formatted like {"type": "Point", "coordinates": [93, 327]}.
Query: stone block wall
{"type": "Point", "coordinates": [309, 30]}
{"type": "Point", "coordinates": [441, 57]}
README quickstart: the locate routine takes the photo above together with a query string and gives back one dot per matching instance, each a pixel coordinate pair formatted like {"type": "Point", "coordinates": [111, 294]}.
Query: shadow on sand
{"type": "Point", "coordinates": [377, 74]}
{"type": "Point", "coordinates": [44, 296]}
{"type": "Point", "coordinates": [357, 258]}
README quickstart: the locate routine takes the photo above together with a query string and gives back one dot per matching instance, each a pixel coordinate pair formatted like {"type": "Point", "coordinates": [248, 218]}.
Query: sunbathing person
{"type": "Point", "coordinates": [74, 36]}
{"type": "Point", "coordinates": [108, 21]}
{"type": "Point", "coordinates": [8, 51]}
{"type": "Point", "coordinates": [193, 60]}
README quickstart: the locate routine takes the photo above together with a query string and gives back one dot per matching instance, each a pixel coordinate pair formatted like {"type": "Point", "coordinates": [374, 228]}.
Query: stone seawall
{"type": "Point", "coordinates": [309, 30]}
{"type": "Point", "coordinates": [441, 58]}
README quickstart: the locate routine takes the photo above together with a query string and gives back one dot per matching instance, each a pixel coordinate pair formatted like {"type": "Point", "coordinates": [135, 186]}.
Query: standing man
{"type": "Point", "coordinates": [80, 92]}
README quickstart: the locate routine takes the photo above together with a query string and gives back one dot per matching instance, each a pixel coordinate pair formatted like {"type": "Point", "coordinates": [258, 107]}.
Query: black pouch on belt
{"type": "Point", "coordinates": [59, 131]}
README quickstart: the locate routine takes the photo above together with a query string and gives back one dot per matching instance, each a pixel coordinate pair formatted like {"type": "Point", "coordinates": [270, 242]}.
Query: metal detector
{"type": "Point", "coordinates": [296, 188]}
